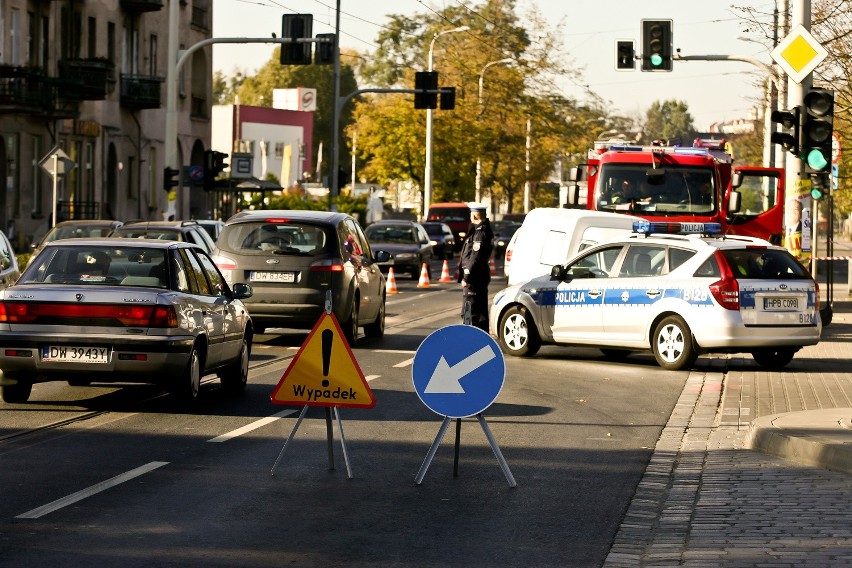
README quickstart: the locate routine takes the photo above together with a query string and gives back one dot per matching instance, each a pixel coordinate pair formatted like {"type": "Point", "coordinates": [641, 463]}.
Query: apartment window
{"type": "Point", "coordinates": [44, 46]}
{"type": "Point", "coordinates": [93, 37]}
{"type": "Point", "coordinates": [111, 41]}
{"type": "Point", "coordinates": [14, 35]}
{"type": "Point", "coordinates": [32, 34]}
{"type": "Point", "coordinates": [130, 47]}
{"type": "Point", "coordinates": [152, 56]}
{"type": "Point", "coordinates": [279, 150]}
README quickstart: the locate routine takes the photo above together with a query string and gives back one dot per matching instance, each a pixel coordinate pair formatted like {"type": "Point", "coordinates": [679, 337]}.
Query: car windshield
{"type": "Point", "coordinates": [434, 230]}
{"type": "Point", "coordinates": [391, 234]}
{"type": "Point", "coordinates": [93, 265]}
{"type": "Point", "coordinates": [280, 237]}
{"type": "Point", "coordinates": [77, 231]}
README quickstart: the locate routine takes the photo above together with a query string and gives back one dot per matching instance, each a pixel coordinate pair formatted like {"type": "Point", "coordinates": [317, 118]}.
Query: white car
{"type": "Point", "coordinates": [676, 295]}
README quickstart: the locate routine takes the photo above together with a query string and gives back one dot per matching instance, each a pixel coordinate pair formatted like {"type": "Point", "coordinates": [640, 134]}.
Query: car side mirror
{"type": "Point", "coordinates": [734, 202]}
{"type": "Point", "coordinates": [242, 291]}
{"type": "Point", "coordinates": [382, 256]}
{"type": "Point", "coordinates": [558, 272]}
{"type": "Point", "coordinates": [736, 179]}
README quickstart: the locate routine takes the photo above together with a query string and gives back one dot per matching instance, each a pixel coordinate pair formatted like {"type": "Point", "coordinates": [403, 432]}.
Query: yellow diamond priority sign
{"type": "Point", "coordinates": [324, 372]}
{"type": "Point", "coordinates": [799, 53]}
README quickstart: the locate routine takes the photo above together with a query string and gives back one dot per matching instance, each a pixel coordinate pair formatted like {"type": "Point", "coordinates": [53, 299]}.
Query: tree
{"type": "Point", "coordinates": [670, 121]}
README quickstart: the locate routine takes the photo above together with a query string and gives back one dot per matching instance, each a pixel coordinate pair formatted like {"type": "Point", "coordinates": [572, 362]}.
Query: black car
{"type": "Point", "coordinates": [443, 241]}
{"type": "Point", "coordinates": [406, 241]}
{"type": "Point", "coordinates": [181, 231]}
{"type": "Point", "coordinates": [503, 232]}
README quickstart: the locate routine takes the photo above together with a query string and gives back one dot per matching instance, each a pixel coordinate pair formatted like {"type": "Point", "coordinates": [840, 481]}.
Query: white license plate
{"type": "Point", "coordinates": [75, 354]}
{"type": "Point", "coordinates": [780, 304]}
{"type": "Point", "coordinates": [272, 277]}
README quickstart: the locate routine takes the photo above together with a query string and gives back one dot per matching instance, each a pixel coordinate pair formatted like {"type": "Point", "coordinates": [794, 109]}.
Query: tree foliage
{"type": "Point", "coordinates": [669, 120]}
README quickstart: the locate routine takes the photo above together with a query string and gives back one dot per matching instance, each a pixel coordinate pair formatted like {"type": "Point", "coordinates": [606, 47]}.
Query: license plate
{"type": "Point", "coordinates": [272, 277]}
{"type": "Point", "coordinates": [65, 354]}
{"type": "Point", "coordinates": [780, 304]}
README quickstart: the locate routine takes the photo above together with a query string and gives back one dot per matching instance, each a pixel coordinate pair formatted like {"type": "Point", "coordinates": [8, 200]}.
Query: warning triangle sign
{"type": "Point", "coordinates": [324, 372]}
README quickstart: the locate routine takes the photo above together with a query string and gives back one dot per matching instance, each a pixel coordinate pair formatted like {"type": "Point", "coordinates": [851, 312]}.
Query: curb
{"type": "Point", "coordinates": [819, 438]}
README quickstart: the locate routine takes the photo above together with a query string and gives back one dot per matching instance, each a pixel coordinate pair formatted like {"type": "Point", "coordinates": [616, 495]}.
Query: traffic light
{"type": "Point", "coordinates": [819, 185]}
{"type": "Point", "coordinates": [817, 128]}
{"type": "Point", "coordinates": [426, 81]}
{"type": "Point", "coordinates": [214, 163]}
{"type": "Point", "coordinates": [325, 51]}
{"type": "Point", "coordinates": [656, 45]}
{"type": "Point", "coordinates": [296, 26]}
{"type": "Point", "coordinates": [624, 55]}
{"type": "Point", "coordinates": [789, 121]}
{"type": "Point", "coordinates": [448, 98]}
{"type": "Point", "coordinates": [170, 178]}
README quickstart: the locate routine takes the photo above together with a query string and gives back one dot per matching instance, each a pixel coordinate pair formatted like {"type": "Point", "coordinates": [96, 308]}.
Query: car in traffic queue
{"type": "Point", "coordinates": [212, 226]}
{"type": "Point", "coordinates": [503, 233]}
{"type": "Point", "coordinates": [182, 231]}
{"type": "Point", "coordinates": [123, 310]}
{"type": "Point", "coordinates": [442, 239]}
{"type": "Point", "coordinates": [9, 269]}
{"type": "Point", "coordinates": [297, 260]}
{"type": "Point", "coordinates": [408, 244]}
{"type": "Point", "coordinates": [76, 229]}
{"type": "Point", "coordinates": [675, 295]}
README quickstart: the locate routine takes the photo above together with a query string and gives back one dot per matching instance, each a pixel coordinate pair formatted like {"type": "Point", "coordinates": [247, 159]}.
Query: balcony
{"type": "Point", "coordinates": [139, 6]}
{"type": "Point", "coordinates": [22, 90]}
{"type": "Point", "coordinates": [87, 79]}
{"type": "Point", "coordinates": [140, 91]}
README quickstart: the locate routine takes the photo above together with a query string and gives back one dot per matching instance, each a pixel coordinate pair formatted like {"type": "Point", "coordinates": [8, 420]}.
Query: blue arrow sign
{"type": "Point", "coordinates": [458, 371]}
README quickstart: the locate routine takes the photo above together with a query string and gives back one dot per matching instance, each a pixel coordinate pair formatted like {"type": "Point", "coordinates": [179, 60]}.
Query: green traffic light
{"type": "Point", "coordinates": [816, 160]}
{"type": "Point", "coordinates": [816, 193]}
{"type": "Point", "coordinates": [656, 60]}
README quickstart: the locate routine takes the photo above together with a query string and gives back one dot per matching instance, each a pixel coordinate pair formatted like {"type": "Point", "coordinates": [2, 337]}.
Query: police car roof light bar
{"type": "Point", "coordinates": [650, 227]}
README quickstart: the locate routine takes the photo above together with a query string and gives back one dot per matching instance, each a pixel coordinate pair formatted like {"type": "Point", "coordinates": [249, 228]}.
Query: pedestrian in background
{"type": "Point", "coordinates": [474, 270]}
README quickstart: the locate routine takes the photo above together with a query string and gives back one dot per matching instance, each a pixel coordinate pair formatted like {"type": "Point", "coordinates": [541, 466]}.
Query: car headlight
{"type": "Point", "coordinates": [433, 243]}
{"type": "Point", "coordinates": [501, 243]}
{"type": "Point", "coordinates": [462, 234]}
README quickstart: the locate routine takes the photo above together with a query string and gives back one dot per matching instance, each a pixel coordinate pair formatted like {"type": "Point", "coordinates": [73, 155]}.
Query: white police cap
{"type": "Point", "coordinates": [477, 206]}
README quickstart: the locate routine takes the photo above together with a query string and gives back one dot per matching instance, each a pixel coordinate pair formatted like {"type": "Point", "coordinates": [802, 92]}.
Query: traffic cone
{"type": "Point", "coordinates": [492, 266]}
{"type": "Point", "coordinates": [390, 285]}
{"type": "Point", "coordinates": [445, 272]}
{"type": "Point", "coordinates": [424, 277]}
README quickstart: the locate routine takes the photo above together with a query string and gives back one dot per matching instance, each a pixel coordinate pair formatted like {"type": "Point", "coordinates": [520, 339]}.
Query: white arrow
{"type": "Point", "coordinates": [445, 379]}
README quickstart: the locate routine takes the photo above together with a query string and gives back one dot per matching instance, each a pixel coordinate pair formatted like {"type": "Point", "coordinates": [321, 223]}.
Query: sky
{"type": "Point", "coordinates": [714, 91]}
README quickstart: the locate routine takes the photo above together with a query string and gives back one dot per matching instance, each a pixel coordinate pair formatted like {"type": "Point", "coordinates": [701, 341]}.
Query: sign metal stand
{"type": "Point", "coordinates": [477, 359]}
{"type": "Point", "coordinates": [349, 379]}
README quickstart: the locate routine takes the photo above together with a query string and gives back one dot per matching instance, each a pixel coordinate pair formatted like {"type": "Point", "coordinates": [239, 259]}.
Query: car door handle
{"type": "Point", "coordinates": [653, 292]}
{"type": "Point", "coordinates": [595, 293]}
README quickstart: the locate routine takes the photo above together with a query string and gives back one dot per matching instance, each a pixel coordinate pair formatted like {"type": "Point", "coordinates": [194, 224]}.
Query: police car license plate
{"type": "Point", "coordinates": [780, 304]}
{"type": "Point", "coordinates": [66, 354]}
{"type": "Point", "coordinates": [272, 277]}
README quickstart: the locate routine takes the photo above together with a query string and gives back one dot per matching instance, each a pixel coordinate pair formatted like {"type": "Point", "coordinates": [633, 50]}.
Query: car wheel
{"type": "Point", "coordinates": [188, 384]}
{"type": "Point", "coordinates": [235, 376]}
{"type": "Point", "coordinates": [19, 392]}
{"type": "Point", "coordinates": [377, 328]}
{"type": "Point", "coordinates": [350, 326]}
{"type": "Point", "coordinates": [672, 344]}
{"type": "Point", "coordinates": [774, 359]}
{"type": "Point", "coordinates": [517, 334]}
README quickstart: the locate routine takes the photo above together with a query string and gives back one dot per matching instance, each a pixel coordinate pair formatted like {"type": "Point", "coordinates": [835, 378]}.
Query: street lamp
{"type": "Point", "coordinates": [427, 178]}
{"type": "Point", "coordinates": [479, 160]}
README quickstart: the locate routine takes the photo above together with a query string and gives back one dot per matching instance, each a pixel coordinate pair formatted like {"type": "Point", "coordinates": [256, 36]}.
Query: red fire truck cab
{"type": "Point", "coordinates": [673, 183]}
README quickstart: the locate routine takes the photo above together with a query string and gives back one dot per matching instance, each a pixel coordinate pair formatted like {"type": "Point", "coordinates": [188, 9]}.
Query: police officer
{"type": "Point", "coordinates": [474, 270]}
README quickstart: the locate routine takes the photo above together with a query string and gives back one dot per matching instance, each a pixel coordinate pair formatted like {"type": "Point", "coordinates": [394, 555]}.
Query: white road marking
{"type": "Point", "coordinates": [88, 492]}
{"type": "Point", "coordinates": [405, 363]}
{"type": "Point", "coordinates": [372, 377]}
{"type": "Point", "coordinates": [253, 426]}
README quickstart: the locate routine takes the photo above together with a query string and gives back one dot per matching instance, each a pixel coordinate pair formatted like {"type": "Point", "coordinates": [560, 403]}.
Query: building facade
{"type": "Point", "coordinates": [87, 77]}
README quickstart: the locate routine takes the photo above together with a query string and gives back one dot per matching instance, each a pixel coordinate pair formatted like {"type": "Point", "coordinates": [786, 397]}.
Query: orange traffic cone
{"type": "Point", "coordinates": [492, 266]}
{"type": "Point", "coordinates": [390, 285]}
{"type": "Point", "coordinates": [445, 272]}
{"type": "Point", "coordinates": [424, 277]}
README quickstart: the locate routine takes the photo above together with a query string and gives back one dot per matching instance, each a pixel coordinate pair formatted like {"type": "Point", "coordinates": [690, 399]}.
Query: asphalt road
{"type": "Point", "coordinates": [124, 476]}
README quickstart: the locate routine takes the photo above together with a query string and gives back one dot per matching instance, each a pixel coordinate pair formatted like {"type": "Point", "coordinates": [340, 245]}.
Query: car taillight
{"type": "Point", "coordinates": [727, 290]}
{"type": "Point", "coordinates": [327, 268]}
{"type": "Point", "coordinates": [224, 263]}
{"type": "Point", "coordinates": [508, 255]}
{"type": "Point", "coordinates": [130, 316]}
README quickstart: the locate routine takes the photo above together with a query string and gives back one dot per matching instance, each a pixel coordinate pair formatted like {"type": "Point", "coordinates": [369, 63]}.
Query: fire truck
{"type": "Point", "coordinates": [697, 184]}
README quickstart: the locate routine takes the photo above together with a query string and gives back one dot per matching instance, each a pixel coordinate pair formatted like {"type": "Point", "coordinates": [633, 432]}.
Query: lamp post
{"type": "Point", "coordinates": [427, 178]}
{"type": "Point", "coordinates": [479, 160]}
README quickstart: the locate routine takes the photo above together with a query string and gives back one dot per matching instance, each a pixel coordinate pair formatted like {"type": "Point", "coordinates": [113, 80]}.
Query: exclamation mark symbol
{"type": "Point", "coordinates": [327, 339]}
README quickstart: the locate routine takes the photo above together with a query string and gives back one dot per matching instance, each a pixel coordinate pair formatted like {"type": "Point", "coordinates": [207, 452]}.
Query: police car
{"type": "Point", "coordinates": [677, 289]}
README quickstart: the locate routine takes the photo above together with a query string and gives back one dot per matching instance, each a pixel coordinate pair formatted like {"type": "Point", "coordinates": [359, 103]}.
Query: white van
{"type": "Point", "coordinates": [550, 236]}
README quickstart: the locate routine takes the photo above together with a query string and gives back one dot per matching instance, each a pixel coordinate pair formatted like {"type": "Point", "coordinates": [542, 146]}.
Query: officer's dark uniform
{"type": "Point", "coordinates": [475, 270]}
